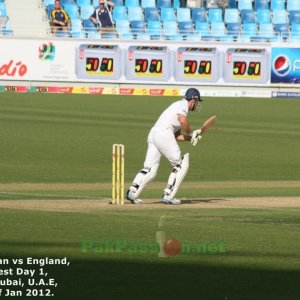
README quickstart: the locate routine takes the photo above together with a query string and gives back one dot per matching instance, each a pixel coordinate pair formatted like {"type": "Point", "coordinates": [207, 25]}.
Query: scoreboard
{"type": "Point", "coordinates": [197, 64]}
{"type": "Point", "coordinates": [98, 62]}
{"type": "Point", "coordinates": [172, 64]}
{"type": "Point", "coordinates": [148, 63]}
{"type": "Point", "coordinates": [246, 66]}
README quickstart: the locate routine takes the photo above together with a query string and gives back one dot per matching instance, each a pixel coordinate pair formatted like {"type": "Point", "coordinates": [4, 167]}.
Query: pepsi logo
{"type": "Point", "coordinates": [281, 65]}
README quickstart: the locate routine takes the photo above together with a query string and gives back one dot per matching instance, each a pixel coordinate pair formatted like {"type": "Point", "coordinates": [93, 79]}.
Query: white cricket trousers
{"type": "Point", "coordinates": [162, 141]}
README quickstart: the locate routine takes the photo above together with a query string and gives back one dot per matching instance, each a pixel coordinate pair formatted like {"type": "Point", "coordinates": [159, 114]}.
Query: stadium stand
{"type": "Point", "coordinates": [203, 29]}
{"type": "Point", "coordinates": [76, 29]}
{"type": "Point", "coordinates": [119, 2]}
{"type": "Point", "coordinates": [295, 30]}
{"type": "Point", "coordinates": [215, 15]}
{"type": "Point", "coordinates": [249, 30]}
{"type": "Point", "coordinates": [67, 2]}
{"type": "Point", "coordinates": [135, 14]}
{"type": "Point", "coordinates": [138, 27]}
{"type": "Point", "coordinates": [199, 15]}
{"type": "Point", "coordinates": [293, 5]}
{"type": "Point", "coordinates": [248, 16]}
{"type": "Point", "coordinates": [89, 28]}
{"type": "Point", "coordinates": [266, 33]}
{"type": "Point", "coordinates": [72, 10]}
{"type": "Point", "coordinates": [183, 15]}
{"type": "Point", "coordinates": [151, 14]}
{"type": "Point", "coordinates": [123, 29]}
{"type": "Point", "coordinates": [244, 4]}
{"type": "Point", "coordinates": [132, 3]}
{"type": "Point", "coordinates": [47, 2]}
{"type": "Point", "coordinates": [232, 4]}
{"type": "Point", "coordinates": [231, 16]}
{"type": "Point", "coordinates": [234, 29]}
{"type": "Point", "coordinates": [261, 4]}
{"type": "Point", "coordinates": [81, 3]}
{"type": "Point", "coordinates": [94, 35]}
{"type": "Point", "coordinates": [167, 14]}
{"type": "Point", "coordinates": [119, 13]}
{"type": "Point", "coordinates": [294, 17]}
{"type": "Point", "coordinates": [294, 36]}
{"type": "Point", "coordinates": [49, 9]}
{"type": "Point", "coordinates": [280, 16]}
{"type": "Point", "coordinates": [186, 28]}
{"type": "Point", "coordinates": [7, 30]}
{"type": "Point", "coordinates": [263, 16]}
{"type": "Point", "coordinates": [170, 30]}
{"type": "Point", "coordinates": [18, 23]}
{"type": "Point", "coordinates": [2, 9]}
{"type": "Point", "coordinates": [86, 10]}
{"type": "Point", "coordinates": [282, 31]}
{"type": "Point", "coordinates": [148, 3]}
{"type": "Point", "coordinates": [242, 20]}
{"type": "Point", "coordinates": [143, 37]}
{"type": "Point", "coordinates": [277, 4]}
{"type": "Point", "coordinates": [218, 30]}
{"type": "Point", "coordinates": [164, 4]}
{"type": "Point", "coordinates": [154, 29]}
{"type": "Point", "coordinates": [95, 3]}
{"type": "Point", "coordinates": [4, 20]}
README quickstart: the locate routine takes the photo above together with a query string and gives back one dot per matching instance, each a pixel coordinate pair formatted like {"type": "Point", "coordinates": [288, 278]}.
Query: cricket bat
{"type": "Point", "coordinates": [207, 124]}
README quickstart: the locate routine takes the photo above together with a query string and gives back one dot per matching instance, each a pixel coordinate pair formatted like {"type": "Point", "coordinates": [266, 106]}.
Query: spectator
{"type": "Point", "coordinates": [102, 16]}
{"type": "Point", "coordinates": [60, 20]}
{"type": "Point", "coordinates": [217, 4]}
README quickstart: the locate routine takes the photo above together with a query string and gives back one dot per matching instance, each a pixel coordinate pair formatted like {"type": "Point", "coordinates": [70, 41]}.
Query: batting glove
{"type": "Point", "coordinates": [196, 137]}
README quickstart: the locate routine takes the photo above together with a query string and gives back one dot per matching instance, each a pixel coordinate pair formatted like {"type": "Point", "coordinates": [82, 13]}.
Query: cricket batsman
{"type": "Point", "coordinates": [162, 140]}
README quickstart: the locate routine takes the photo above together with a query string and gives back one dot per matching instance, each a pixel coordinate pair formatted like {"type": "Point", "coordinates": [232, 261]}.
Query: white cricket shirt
{"type": "Point", "coordinates": [169, 117]}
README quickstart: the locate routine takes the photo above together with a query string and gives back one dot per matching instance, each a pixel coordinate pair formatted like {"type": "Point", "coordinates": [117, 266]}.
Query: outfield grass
{"type": "Point", "coordinates": [50, 140]}
{"type": "Point", "coordinates": [68, 138]}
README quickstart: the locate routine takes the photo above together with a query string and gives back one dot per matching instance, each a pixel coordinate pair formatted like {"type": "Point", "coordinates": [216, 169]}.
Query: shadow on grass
{"type": "Point", "coordinates": [212, 200]}
{"type": "Point", "coordinates": [167, 278]}
{"type": "Point", "coordinates": [5, 244]}
{"type": "Point", "coordinates": [162, 280]}
{"type": "Point", "coordinates": [47, 246]}
{"type": "Point", "coordinates": [190, 201]}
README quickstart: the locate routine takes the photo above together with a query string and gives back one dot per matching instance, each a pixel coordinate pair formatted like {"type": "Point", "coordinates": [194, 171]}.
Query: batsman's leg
{"type": "Point", "coordinates": [145, 175]}
{"type": "Point", "coordinates": [142, 179]}
{"type": "Point", "coordinates": [175, 179]}
{"type": "Point", "coordinates": [166, 142]}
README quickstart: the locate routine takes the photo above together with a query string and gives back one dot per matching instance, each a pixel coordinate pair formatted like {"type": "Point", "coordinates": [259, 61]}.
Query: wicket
{"type": "Point", "coordinates": [118, 153]}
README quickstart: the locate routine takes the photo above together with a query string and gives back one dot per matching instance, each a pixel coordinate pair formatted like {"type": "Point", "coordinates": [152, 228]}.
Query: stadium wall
{"type": "Point", "coordinates": [149, 67]}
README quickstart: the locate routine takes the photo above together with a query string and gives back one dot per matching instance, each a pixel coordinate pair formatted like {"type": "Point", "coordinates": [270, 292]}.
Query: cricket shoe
{"type": "Point", "coordinates": [132, 199]}
{"type": "Point", "coordinates": [167, 200]}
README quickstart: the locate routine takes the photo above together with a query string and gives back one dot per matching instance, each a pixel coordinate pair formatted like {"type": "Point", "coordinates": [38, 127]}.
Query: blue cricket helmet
{"type": "Point", "coordinates": [192, 93]}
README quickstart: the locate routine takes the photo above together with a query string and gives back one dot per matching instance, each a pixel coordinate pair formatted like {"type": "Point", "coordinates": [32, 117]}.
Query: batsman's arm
{"type": "Point", "coordinates": [181, 137]}
{"type": "Point", "coordinates": [184, 124]}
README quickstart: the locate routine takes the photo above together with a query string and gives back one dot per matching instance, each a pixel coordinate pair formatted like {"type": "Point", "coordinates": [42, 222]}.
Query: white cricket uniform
{"type": "Point", "coordinates": [161, 139]}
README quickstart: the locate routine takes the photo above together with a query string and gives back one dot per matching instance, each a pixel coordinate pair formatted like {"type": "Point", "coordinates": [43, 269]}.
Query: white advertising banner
{"type": "Point", "coordinates": [38, 60]}
{"type": "Point", "coordinates": [134, 62]}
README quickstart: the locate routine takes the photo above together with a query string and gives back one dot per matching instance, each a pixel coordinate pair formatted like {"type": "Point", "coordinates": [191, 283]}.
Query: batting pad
{"type": "Point", "coordinates": [143, 178]}
{"type": "Point", "coordinates": [177, 177]}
